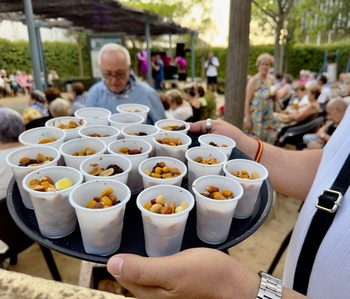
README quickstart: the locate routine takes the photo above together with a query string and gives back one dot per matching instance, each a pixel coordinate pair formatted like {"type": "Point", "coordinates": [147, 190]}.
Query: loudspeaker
{"type": "Point", "coordinates": [180, 50]}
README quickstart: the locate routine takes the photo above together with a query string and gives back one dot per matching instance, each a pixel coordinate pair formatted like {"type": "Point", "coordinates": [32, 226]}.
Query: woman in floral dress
{"type": "Point", "coordinates": [259, 122]}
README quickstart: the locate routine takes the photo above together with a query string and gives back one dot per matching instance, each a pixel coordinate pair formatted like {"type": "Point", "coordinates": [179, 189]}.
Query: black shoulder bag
{"type": "Point", "coordinates": [328, 203]}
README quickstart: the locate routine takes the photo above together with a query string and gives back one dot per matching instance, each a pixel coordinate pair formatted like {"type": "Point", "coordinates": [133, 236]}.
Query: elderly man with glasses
{"type": "Point", "coordinates": [119, 85]}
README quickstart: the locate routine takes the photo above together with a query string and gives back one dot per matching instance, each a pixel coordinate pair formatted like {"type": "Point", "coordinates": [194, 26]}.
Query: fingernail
{"type": "Point", "coordinates": [115, 265]}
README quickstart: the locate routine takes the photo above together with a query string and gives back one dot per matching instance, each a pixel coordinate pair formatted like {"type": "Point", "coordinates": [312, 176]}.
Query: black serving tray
{"type": "Point", "coordinates": [132, 237]}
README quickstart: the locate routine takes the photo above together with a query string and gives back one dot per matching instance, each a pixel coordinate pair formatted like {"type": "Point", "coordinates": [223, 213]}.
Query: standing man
{"type": "Point", "coordinates": [211, 66]}
{"type": "Point", "coordinates": [158, 71]}
{"type": "Point", "coordinates": [119, 85]}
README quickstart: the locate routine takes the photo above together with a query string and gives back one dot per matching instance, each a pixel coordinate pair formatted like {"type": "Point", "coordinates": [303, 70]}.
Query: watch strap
{"type": "Point", "coordinates": [270, 287]}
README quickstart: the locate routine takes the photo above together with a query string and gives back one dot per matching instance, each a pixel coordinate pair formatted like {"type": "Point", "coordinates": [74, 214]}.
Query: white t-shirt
{"type": "Point", "coordinates": [304, 100]}
{"type": "Point", "coordinates": [212, 70]}
{"type": "Point", "coordinates": [331, 271]}
{"type": "Point", "coordinates": [325, 95]}
{"type": "Point", "coordinates": [182, 112]}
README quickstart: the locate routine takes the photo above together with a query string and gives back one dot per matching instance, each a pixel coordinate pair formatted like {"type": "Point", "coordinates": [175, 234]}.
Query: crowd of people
{"type": "Point", "coordinates": [18, 82]}
{"type": "Point", "coordinates": [208, 273]}
{"type": "Point", "coordinates": [275, 102]}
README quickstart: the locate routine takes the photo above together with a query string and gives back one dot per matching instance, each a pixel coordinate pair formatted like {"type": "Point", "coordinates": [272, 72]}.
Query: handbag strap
{"type": "Point", "coordinates": [328, 203]}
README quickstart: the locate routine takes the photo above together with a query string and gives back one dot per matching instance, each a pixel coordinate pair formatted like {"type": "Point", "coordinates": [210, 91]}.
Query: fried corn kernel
{"type": "Point", "coordinates": [47, 140]}
{"type": "Point", "coordinates": [46, 184]}
{"type": "Point", "coordinates": [245, 175]}
{"type": "Point", "coordinates": [162, 171]}
{"type": "Point", "coordinates": [209, 160]}
{"type": "Point", "coordinates": [105, 200]}
{"type": "Point", "coordinates": [84, 152]}
{"type": "Point", "coordinates": [213, 192]}
{"type": "Point", "coordinates": [159, 205]}
{"type": "Point", "coordinates": [38, 160]}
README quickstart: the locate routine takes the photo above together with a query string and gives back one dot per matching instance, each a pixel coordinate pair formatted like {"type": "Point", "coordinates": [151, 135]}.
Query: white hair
{"type": "Point", "coordinates": [111, 47]}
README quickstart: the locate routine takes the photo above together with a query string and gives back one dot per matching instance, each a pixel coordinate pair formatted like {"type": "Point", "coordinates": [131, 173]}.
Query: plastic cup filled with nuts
{"type": "Point", "coordinates": [162, 171]}
{"type": "Point", "coordinates": [70, 124]}
{"type": "Point", "coordinates": [173, 125]}
{"type": "Point", "coordinates": [203, 161]}
{"type": "Point", "coordinates": [164, 210]}
{"type": "Point", "coordinates": [250, 175]}
{"type": "Point", "coordinates": [122, 120]}
{"type": "Point", "coordinates": [222, 143]}
{"type": "Point", "coordinates": [75, 151]}
{"type": "Point", "coordinates": [100, 207]}
{"type": "Point", "coordinates": [49, 190]}
{"type": "Point", "coordinates": [27, 159]}
{"type": "Point", "coordinates": [135, 151]}
{"type": "Point", "coordinates": [53, 137]}
{"type": "Point", "coordinates": [107, 167]}
{"type": "Point", "coordinates": [172, 144]}
{"type": "Point", "coordinates": [107, 134]}
{"type": "Point", "coordinates": [134, 108]}
{"type": "Point", "coordinates": [216, 200]}
{"type": "Point", "coordinates": [141, 131]}
{"type": "Point", "coordinates": [93, 115]}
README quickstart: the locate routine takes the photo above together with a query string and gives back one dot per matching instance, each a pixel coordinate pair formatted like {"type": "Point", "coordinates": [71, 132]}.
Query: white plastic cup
{"type": "Point", "coordinates": [223, 143]}
{"type": "Point", "coordinates": [149, 163]}
{"type": "Point", "coordinates": [75, 145]}
{"type": "Point", "coordinates": [103, 161]}
{"type": "Point", "coordinates": [70, 133]}
{"type": "Point", "coordinates": [165, 125]}
{"type": "Point", "coordinates": [94, 115]}
{"type": "Point", "coordinates": [134, 178]}
{"type": "Point", "coordinates": [150, 130]}
{"type": "Point", "coordinates": [33, 136]}
{"type": "Point", "coordinates": [102, 130]}
{"type": "Point", "coordinates": [56, 217]}
{"type": "Point", "coordinates": [178, 151]}
{"type": "Point", "coordinates": [122, 120]}
{"type": "Point", "coordinates": [214, 217]}
{"type": "Point", "coordinates": [164, 232]}
{"type": "Point", "coordinates": [251, 188]}
{"type": "Point", "coordinates": [20, 172]}
{"type": "Point", "coordinates": [134, 108]}
{"type": "Point", "coordinates": [101, 229]}
{"type": "Point", "coordinates": [196, 170]}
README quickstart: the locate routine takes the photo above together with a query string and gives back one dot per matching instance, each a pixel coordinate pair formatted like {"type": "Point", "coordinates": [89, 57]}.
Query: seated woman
{"type": "Point", "coordinates": [309, 111]}
{"type": "Point", "coordinates": [285, 93]}
{"type": "Point", "coordinates": [192, 96]}
{"type": "Point", "coordinates": [11, 126]}
{"type": "Point", "coordinates": [344, 87]}
{"type": "Point", "coordinates": [37, 107]}
{"type": "Point", "coordinates": [78, 98]}
{"type": "Point", "coordinates": [60, 107]}
{"type": "Point", "coordinates": [179, 108]}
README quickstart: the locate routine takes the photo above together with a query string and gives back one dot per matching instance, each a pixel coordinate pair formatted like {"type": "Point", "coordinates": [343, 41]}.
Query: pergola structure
{"type": "Point", "coordinates": [91, 16]}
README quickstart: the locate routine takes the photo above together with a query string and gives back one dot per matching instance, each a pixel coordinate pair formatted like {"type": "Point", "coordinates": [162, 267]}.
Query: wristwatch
{"type": "Point", "coordinates": [270, 287]}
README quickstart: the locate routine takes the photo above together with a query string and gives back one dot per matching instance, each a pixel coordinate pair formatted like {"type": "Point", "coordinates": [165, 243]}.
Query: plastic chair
{"type": "Point", "coordinates": [17, 241]}
{"type": "Point", "coordinates": [294, 135]}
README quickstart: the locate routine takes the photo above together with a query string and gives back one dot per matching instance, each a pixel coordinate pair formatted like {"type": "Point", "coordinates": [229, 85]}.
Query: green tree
{"type": "Point", "coordinates": [81, 41]}
{"type": "Point", "coordinates": [237, 61]}
{"type": "Point", "coordinates": [322, 16]}
{"type": "Point", "coordinates": [275, 12]}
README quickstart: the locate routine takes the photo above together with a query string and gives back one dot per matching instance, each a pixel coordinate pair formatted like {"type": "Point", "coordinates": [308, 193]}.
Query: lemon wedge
{"type": "Point", "coordinates": [63, 184]}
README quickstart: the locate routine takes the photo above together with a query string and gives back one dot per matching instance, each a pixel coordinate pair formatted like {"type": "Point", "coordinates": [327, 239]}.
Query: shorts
{"type": "Point", "coordinates": [213, 80]}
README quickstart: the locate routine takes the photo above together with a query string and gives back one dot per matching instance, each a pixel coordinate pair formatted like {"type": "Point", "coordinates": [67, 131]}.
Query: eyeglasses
{"type": "Point", "coordinates": [116, 75]}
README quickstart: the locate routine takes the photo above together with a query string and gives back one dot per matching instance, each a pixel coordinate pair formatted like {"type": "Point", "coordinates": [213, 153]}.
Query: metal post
{"type": "Point", "coordinates": [34, 51]}
{"type": "Point", "coordinates": [148, 41]}
{"type": "Point", "coordinates": [192, 56]}
{"type": "Point", "coordinates": [45, 84]}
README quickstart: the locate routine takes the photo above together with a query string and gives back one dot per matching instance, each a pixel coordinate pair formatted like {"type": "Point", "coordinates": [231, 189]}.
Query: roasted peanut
{"type": "Point", "coordinates": [161, 206]}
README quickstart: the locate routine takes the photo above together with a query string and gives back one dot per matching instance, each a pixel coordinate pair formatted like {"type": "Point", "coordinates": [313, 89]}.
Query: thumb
{"type": "Point", "coordinates": [134, 269]}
